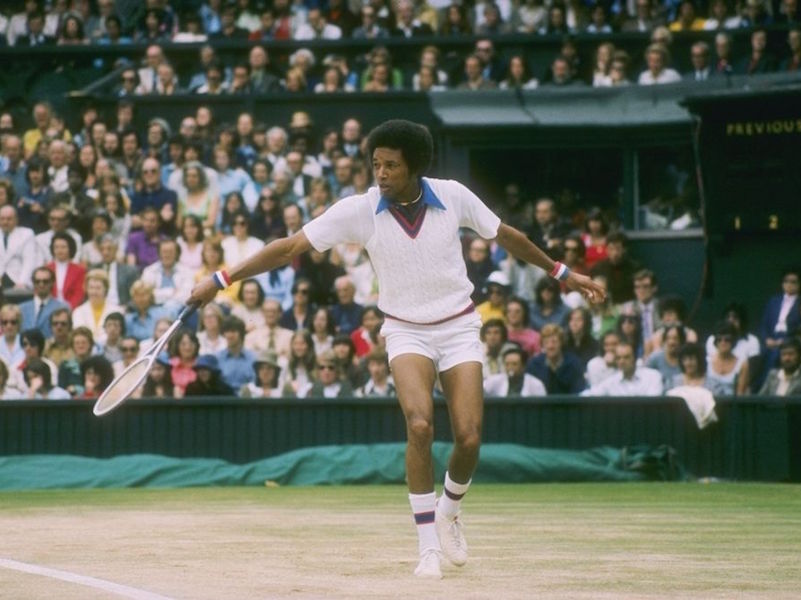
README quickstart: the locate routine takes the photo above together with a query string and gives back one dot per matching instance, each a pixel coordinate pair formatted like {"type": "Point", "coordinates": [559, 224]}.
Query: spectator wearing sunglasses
{"type": "Point", "coordinates": [58, 348]}
{"type": "Point", "coordinates": [36, 311]}
{"type": "Point", "coordinates": [330, 382]}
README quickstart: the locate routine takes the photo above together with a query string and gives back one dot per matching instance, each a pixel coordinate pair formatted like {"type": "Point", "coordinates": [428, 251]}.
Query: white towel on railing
{"type": "Point", "coordinates": [700, 402]}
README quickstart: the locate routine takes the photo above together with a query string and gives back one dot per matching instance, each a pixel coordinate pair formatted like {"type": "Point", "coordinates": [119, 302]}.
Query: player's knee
{"type": "Point", "coordinates": [468, 439]}
{"type": "Point", "coordinates": [420, 429]}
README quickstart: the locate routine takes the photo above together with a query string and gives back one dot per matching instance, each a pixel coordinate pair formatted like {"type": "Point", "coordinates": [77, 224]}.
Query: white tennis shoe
{"type": "Point", "coordinates": [429, 565]}
{"type": "Point", "coordinates": [451, 538]}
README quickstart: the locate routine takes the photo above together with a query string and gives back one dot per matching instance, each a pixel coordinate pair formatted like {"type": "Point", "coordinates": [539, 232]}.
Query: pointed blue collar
{"type": "Point", "coordinates": [429, 197]}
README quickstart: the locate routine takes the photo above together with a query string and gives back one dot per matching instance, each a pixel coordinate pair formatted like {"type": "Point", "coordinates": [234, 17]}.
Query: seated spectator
{"type": "Point", "coordinates": [781, 316]}
{"type": "Point", "coordinates": [171, 281]}
{"type": "Point", "coordinates": [687, 19]}
{"type": "Point", "coordinates": [158, 383]}
{"type": "Point", "coordinates": [129, 352]}
{"type": "Point", "coordinates": [671, 311]}
{"type": "Point", "coordinates": [235, 362]}
{"type": "Point", "coordinates": [36, 311]}
{"type": "Point", "coordinates": [300, 371]}
{"type": "Point", "coordinates": [267, 378]}
{"type": "Point", "coordinates": [702, 69]}
{"type": "Point", "coordinates": [210, 381]}
{"type": "Point", "coordinates": [728, 374]}
{"type": "Point", "coordinates": [300, 314]}
{"type": "Point", "coordinates": [140, 321]}
{"type": "Point", "coordinates": [457, 22]}
{"type": "Point", "coordinates": [17, 252]}
{"type": "Point", "coordinates": [657, 72]}
{"type": "Point", "coordinates": [35, 193]}
{"type": "Point", "coordinates": [229, 30]}
{"type": "Point", "coordinates": [349, 364]}
{"type": "Point", "coordinates": [346, 313]}
{"type": "Point", "coordinates": [143, 245]}
{"type": "Point", "coordinates": [759, 59]}
{"type": "Point", "coordinates": [317, 27]}
{"type": "Point", "coordinates": [69, 276]}
{"type": "Point", "coordinates": [34, 35]}
{"type": "Point", "coordinates": [645, 19]}
{"type": "Point", "coordinates": [667, 360]}
{"type": "Point", "coordinates": [617, 268]}
{"type": "Point", "coordinates": [151, 193]}
{"type": "Point", "coordinates": [573, 257]}
{"type": "Point", "coordinates": [262, 81]}
{"type": "Point", "coordinates": [249, 308]}
{"type": "Point", "coordinates": [629, 380]}
{"type": "Point", "coordinates": [629, 329]}
{"type": "Point", "coordinates": [198, 197]}
{"type": "Point", "coordinates": [693, 366]}
{"type": "Point", "coordinates": [786, 380]}
{"type": "Point", "coordinates": [184, 350]}
{"type": "Point", "coordinates": [114, 328]}
{"type": "Point", "coordinates": [322, 330]}
{"type": "Point", "coordinates": [33, 344]}
{"type": "Point", "coordinates": [549, 228]}
{"type": "Point", "coordinates": [270, 336]}
{"type": "Point", "coordinates": [370, 28]}
{"type": "Point", "coordinates": [601, 73]}
{"type": "Point", "coordinates": [792, 63]}
{"type": "Point", "coordinates": [120, 276]}
{"type": "Point", "coordinates": [497, 291]}
{"type": "Point", "coordinates": [210, 335]}
{"type": "Point", "coordinates": [479, 266]}
{"type": "Point", "coordinates": [70, 376]}
{"type": "Point", "coordinates": [645, 303]}
{"type": "Point", "coordinates": [39, 382]}
{"type": "Point", "coordinates": [556, 22]}
{"type": "Point", "coordinates": [559, 371]}
{"type": "Point", "coordinates": [601, 367]}
{"type": "Point", "coordinates": [548, 305]}
{"type": "Point", "coordinates": [474, 78]}
{"type": "Point", "coordinates": [560, 74]}
{"type": "Point", "coordinates": [159, 329]}
{"type": "Point", "coordinates": [331, 381]}
{"type": "Point", "coordinates": [594, 238]}
{"type": "Point", "coordinates": [213, 260]}
{"type": "Point", "coordinates": [367, 336]}
{"type": "Point", "coordinates": [380, 383]}
{"type": "Point", "coordinates": [517, 325]}
{"type": "Point", "coordinates": [514, 381]}
{"type": "Point", "coordinates": [240, 245]}
{"type": "Point", "coordinates": [494, 335]}
{"type": "Point", "coordinates": [190, 243]}
{"type": "Point", "coordinates": [97, 376]}
{"type": "Point", "coordinates": [57, 347]}
{"type": "Point", "coordinates": [720, 17]}
{"type": "Point", "coordinates": [604, 313]}
{"type": "Point", "coordinates": [92, 314]}
{"type": "Point", "coordinates": [747, 344]}
{"type": "Point", "coordinates": [58, 221]}
{"type": "Point", "coordinates": [578, 335]}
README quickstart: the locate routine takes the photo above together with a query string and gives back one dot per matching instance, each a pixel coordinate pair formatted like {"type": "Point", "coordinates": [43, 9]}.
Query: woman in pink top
{"type": "Point", "coordinates": [184, 350]}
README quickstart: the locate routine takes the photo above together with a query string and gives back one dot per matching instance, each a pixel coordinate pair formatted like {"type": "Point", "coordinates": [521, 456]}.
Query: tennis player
{"type": "Point", "coordinates": [410, 226]}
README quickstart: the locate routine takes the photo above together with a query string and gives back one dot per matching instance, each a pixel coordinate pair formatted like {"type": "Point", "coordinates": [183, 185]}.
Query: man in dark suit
{"type": "Point", "coordinates": [699, 56]}
{"type": "Point", "coordinates": [782, 316]}
{"type": "Point", "coordinates": [35, 35]}
{"type": "Point", "coordinates": [36, 311]}
{"type": "Point", "coordinates": [786, 380]}
{"type": "Point", "coordinates": [759, 60]}
{"type": "Point", "coordinates": [120, 275]}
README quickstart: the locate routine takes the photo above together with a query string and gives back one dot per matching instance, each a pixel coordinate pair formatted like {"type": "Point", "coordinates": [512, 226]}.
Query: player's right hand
{"type": "Point", "coordinates": [203, 292]}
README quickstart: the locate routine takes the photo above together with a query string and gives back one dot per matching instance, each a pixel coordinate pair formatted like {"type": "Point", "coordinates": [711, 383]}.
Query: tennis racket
{"type": "Point", "coordinates": [131, 378]}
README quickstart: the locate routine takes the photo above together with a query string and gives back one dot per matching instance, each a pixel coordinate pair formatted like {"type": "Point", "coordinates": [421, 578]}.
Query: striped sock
{"type": "Point", "coordinates": [423, 508]}
{"type": "Point", "coordinates": [451, 498]}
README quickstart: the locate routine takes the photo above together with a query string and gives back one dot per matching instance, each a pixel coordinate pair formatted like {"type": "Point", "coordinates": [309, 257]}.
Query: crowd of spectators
{"type": "Point", "coordinates": [106, 228]}
{"type": "Point", "coordinates": [310, 68]}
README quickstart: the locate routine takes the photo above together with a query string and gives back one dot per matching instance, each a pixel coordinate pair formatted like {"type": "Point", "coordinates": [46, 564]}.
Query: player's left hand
{"type": "Point", "coordinates": [593, 292]}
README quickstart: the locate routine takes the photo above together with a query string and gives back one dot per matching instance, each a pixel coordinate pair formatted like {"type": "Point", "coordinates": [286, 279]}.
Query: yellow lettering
{"type": "Point", "coordinates": [759, 128]}
{"type": "Point", "coordinates": [729, 128]}
{"type": "Point", "coordinates": [739, 128]}
{"type": "Point", "coordinates": [788, 126]}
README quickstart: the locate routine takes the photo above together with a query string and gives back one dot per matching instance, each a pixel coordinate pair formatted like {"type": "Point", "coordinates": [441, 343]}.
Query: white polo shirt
{"type": "Point", "coordinates": [422, 277]}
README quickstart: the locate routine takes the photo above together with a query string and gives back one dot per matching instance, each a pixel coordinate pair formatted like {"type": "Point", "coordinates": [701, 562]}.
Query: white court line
{"type": "Point", "coordinates": [92, 582]}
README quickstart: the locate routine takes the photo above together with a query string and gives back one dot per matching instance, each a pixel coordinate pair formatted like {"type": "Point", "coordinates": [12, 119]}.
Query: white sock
{"type": "Point", "coordinates": [423, 506]}
{"type": "Point", "coordinates": [451, 498]}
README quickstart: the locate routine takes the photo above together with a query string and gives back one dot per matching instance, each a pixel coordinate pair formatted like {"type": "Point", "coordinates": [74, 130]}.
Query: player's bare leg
{"type": "Point", "coordinates": [462, 385]}
{"type": "Point", "coordinates": [414, 377]}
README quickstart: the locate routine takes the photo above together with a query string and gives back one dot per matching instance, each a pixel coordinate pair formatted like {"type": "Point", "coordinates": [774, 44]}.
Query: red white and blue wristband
{"type": "Point", "coordinates": [560, 272]}
{"type": "Point", "coordinates": [222, 279]}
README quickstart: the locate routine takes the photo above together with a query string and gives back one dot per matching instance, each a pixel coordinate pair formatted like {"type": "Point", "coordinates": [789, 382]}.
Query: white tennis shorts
{"type": "Point", "coordinates": [447, 344]}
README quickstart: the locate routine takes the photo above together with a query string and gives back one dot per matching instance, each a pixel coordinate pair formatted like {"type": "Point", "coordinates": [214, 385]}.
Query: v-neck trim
{"type": "Point", "coordinates": [411, 228]}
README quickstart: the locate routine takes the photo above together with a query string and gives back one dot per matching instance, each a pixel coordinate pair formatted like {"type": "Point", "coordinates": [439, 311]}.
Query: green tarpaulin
{"type": "Point", "coordinates": [334, 465]}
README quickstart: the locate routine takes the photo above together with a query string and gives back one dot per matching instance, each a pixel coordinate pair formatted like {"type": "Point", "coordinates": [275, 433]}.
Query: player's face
{"type": "Point", "coordinates": [392, 174]}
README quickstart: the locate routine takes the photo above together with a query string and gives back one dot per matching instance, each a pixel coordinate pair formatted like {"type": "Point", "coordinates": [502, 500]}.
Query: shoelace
{"type": "Point", "coordinates": [455, 529]}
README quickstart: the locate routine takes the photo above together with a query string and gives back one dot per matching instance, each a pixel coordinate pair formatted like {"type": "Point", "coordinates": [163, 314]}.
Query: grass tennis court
{"type": "Point", "coordinates": [677, 540]}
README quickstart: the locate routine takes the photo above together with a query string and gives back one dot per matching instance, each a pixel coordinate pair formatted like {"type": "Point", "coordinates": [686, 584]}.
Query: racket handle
{"type": "Point", "coordinates": [188, 311]}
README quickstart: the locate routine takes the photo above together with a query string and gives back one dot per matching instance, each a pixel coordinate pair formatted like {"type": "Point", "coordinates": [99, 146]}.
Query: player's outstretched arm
{"type": "Point", "coordinates": [275, 254]}
{"type": "Point", "coordinates": [518, 245]}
